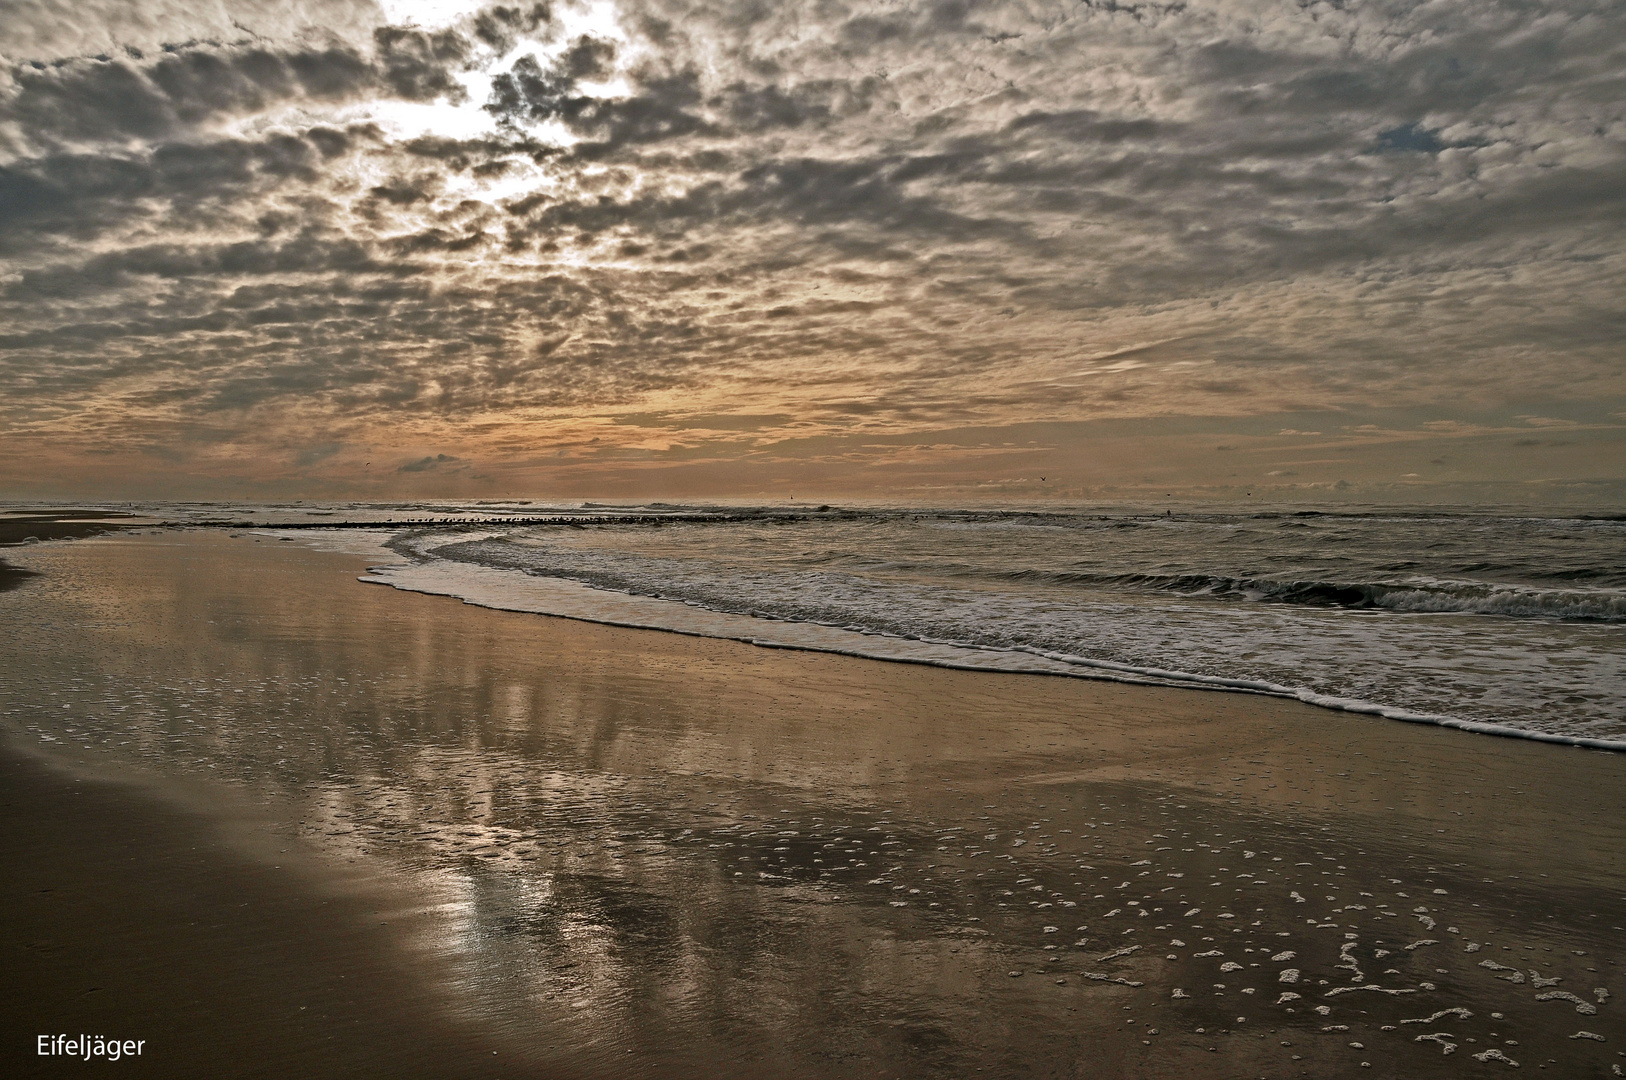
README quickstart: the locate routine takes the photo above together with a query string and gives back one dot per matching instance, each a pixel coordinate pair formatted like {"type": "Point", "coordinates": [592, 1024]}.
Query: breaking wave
{"type": "Point", "coordinates": [1596, 605]}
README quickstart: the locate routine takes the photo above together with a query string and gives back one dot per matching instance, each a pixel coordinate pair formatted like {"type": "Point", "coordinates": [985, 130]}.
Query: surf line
{"type": "Point", "coordinates": [401, 577]}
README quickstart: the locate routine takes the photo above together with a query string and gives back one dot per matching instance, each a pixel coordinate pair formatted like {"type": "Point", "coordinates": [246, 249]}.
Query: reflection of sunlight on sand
{"type": "Point", "coordinates": [491, 906]}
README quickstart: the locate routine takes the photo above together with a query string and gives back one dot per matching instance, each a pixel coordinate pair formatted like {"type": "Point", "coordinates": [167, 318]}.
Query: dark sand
{"type": "Point", "coordinates": [613, 852]}
{"type": "Point", "coordinates": [20, 527]}
{"type": "Point", "coordinates": [131, 916]}
{"type": "Point", "coordinates": [29, 527]}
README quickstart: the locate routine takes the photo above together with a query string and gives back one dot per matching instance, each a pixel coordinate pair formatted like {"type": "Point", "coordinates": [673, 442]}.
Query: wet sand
{"type": "Point", "coordinates": [33, 526]}
{"type": "Point", "coordinates": [606, 848]}
{"type": "Point", "coordinates": [128, 914]}
{"type": "Point", "coordinates": [27, 527]}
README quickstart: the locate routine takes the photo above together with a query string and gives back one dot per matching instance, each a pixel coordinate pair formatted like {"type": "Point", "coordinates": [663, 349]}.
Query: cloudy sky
{"type": "Point", "coordinates": [924, 250]}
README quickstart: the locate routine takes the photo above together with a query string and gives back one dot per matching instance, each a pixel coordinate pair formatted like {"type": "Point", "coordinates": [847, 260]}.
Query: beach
{"type": "Point", "coordinates": [544, 846]}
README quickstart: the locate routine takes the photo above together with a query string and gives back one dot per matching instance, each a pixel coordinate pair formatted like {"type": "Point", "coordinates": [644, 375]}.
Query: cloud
{"type": "Point", "coordinates": [426, 464]}
{"type": "Point", "coordinates": [914, 214]}
{"type": "Point", "coordinates": [310, 455]}
{"type": "Point", "coordinates": [116, 98]}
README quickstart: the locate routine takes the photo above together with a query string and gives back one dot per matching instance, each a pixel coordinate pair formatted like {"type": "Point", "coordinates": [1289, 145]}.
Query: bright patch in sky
{"type": "Point", "coordinates": [406, 119]}
{"type": "Point", "coordinates": [429, 14]}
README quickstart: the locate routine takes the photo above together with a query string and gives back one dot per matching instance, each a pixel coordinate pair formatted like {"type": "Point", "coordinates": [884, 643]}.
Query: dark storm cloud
{"type": "Point", "coordinates": [900, 213]}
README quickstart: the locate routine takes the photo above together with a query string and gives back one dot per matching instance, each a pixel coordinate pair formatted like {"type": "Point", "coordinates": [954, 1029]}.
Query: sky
{"type": "Point", "coordinates": [937, 251]}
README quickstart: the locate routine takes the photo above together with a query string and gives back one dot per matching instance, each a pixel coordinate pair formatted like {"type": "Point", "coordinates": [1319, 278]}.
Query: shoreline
{"type": "Point", "coordinates": [567, 598]}
{"type": "Point", "coordinates": [567, 801]}
{"type": "Point", "coordinates": [772, 631]}
{"type": "Point", "coordinates": [1082, 667]}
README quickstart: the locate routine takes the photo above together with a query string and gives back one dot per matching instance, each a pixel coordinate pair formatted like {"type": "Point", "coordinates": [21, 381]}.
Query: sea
{"type": "Point", "coordinates": [1502, 622]}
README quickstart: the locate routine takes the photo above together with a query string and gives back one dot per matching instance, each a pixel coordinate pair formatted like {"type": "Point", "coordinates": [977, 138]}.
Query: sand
{"type": "Point", "coordinates": [604, 848]}
{"type": "Point", "coordinates": [34, 526]}
{"type": "Point", "coordinates": [129, 916]}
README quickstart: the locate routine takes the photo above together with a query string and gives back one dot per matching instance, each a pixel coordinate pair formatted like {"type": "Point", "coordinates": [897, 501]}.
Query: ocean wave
{"type": "Point", "coordinates": [1469, 597]}
{"type": "Point", "coordinates": [1415, 596]}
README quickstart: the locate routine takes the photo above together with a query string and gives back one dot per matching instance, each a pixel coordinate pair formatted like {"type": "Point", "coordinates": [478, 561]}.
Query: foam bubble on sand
{"type": "Point", "coordinates": [1288, 995]}
{"type": "Point", "coordinates": [1283, 957]}
{"type": "Point", "coordinates": [1458, 1012]}
{"type": "Point", "coordinates": [1179, 993]}
{"type": "Point", "coordinates": [1297, 899]}
{"type": "Point", "coordinates": [1601, 994]}
{"type": "Point", "coordinates": [1442, 1037]}
{"type": "Point", "coordinates": [1230, 965]}
{"type": "Point", "coordinates": [1114, 954]}
{"type": "Point", "coordinates": [1495, 1055]}
{"type": "Point", "coordinates": [1586, 1008]}
{"type": "Point", "coordinates": [1347, 962]}
{"type": "Point", "coordinates": [1101, 976]}
{"type": "Point", "coordinates": [1414, 946]}
{"type": "Point", "coordinates": [1538, 982]}
{"type": "Point", "coordinates": [1588, 1035]}
{"type": "Point", "coordinates": [1376, 989]}
{"type": "Point", "coordinates": [1288, 975]}
{"type": "Point", "coordinates": [1513, 975]}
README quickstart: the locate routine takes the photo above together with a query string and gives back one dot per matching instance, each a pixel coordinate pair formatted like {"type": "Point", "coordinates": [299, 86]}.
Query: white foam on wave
{"type": "Point", "coordinates": [1603, 605]}
{"type": "Point", "coordinates": [1534, 675]}
{"type": "Point", "coordinates": [512, 590]}
{"type": "Point", "coordinates": [368, 543]}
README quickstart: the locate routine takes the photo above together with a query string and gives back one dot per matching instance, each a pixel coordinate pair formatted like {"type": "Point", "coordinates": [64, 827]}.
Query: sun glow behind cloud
{"type": "Point", "coordinates": [429, 14]}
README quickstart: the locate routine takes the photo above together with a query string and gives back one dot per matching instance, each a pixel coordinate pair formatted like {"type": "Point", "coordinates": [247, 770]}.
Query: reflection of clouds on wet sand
{"type": "Point", "coordinates": [701, 852]}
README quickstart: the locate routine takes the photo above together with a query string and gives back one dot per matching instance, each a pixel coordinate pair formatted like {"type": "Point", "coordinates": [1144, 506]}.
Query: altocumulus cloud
{"type": "Point", "coordinates": [891, 214]}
